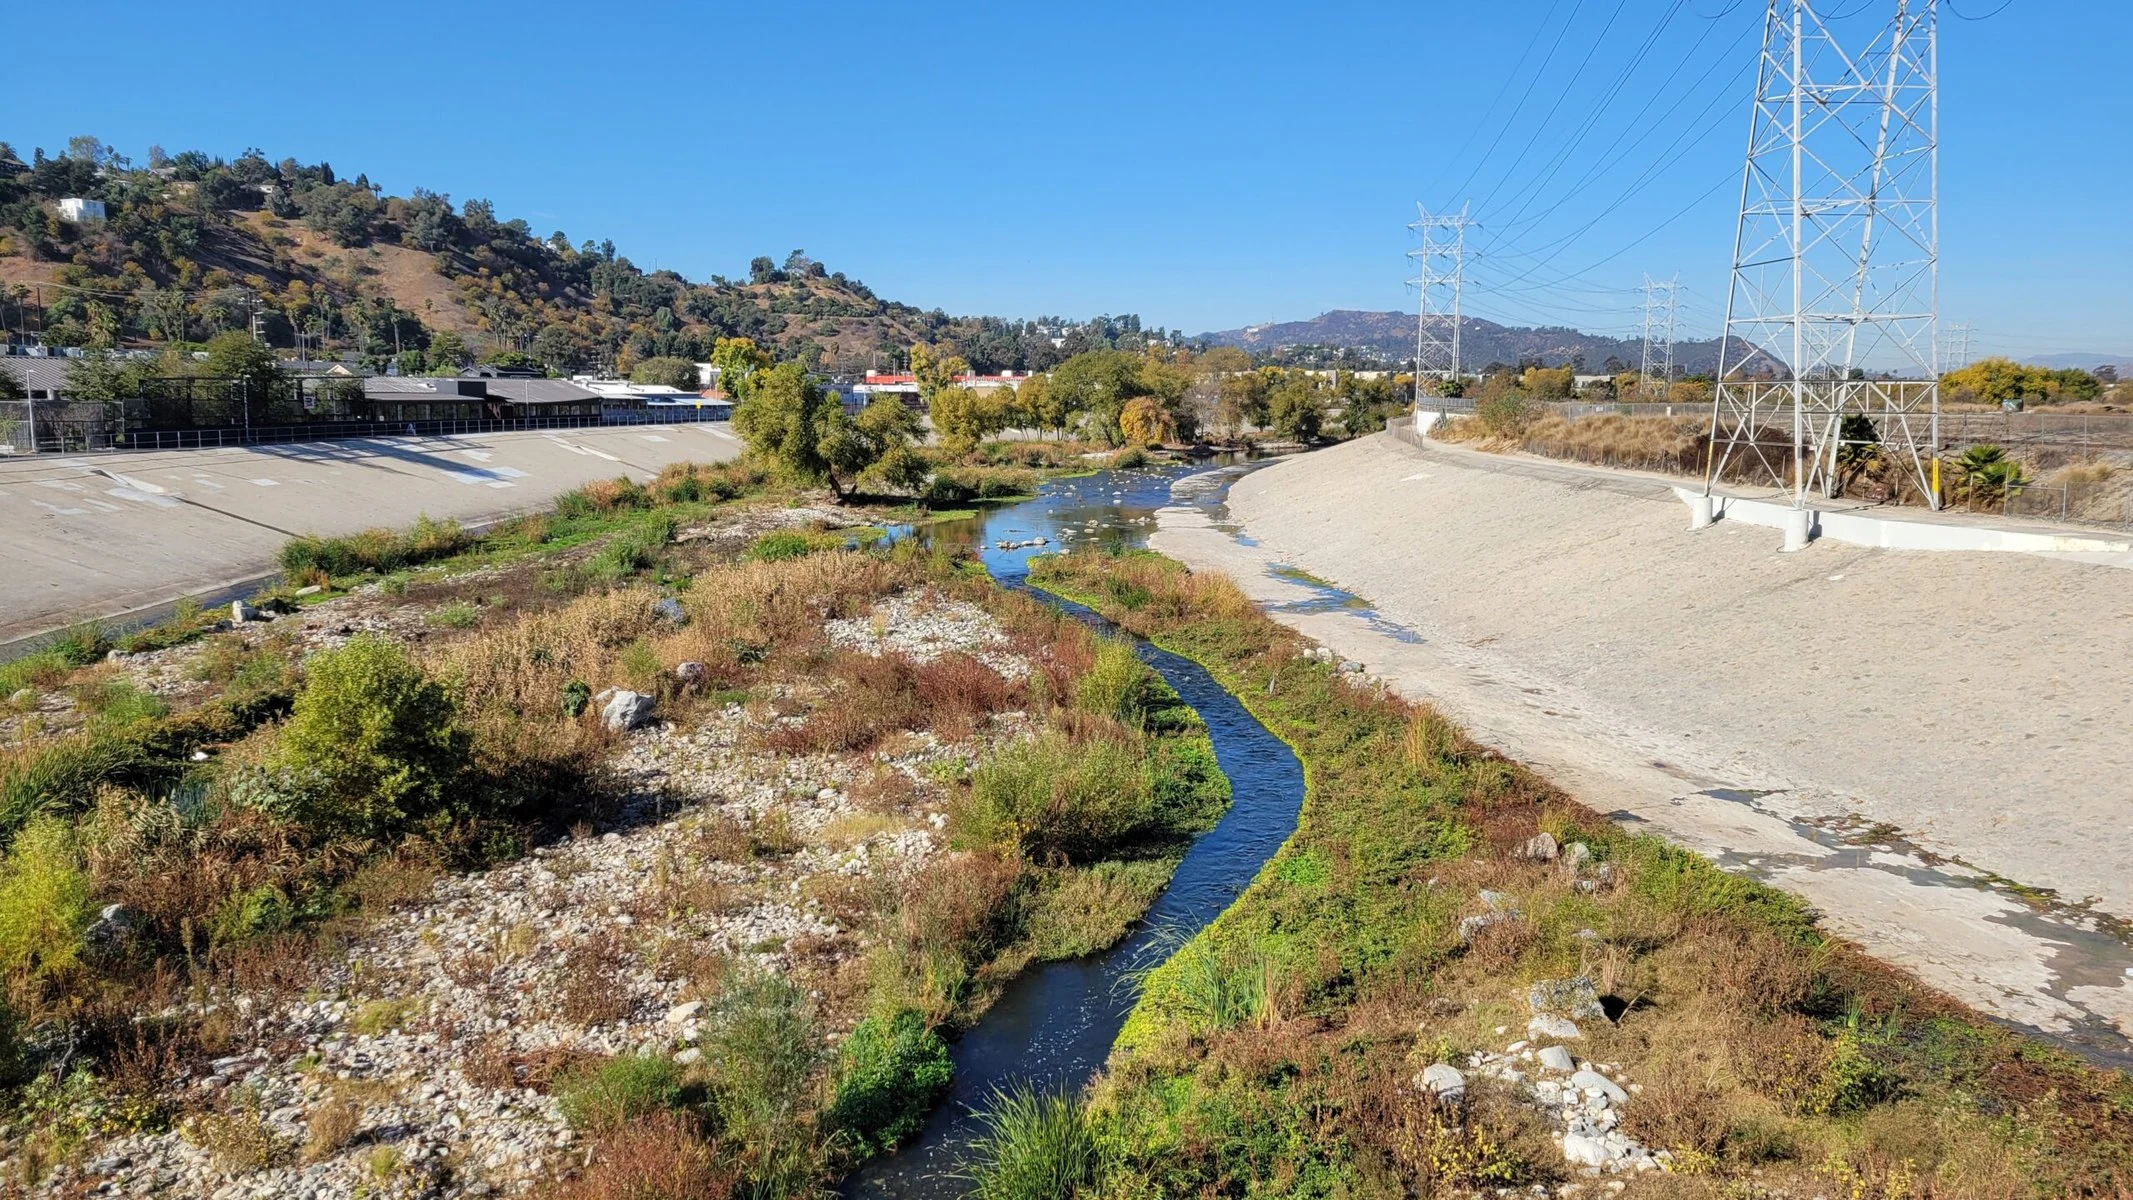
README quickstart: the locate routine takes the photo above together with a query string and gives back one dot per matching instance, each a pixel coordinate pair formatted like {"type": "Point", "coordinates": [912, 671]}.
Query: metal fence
{"type": "Point", "coordinates": [74, 428]}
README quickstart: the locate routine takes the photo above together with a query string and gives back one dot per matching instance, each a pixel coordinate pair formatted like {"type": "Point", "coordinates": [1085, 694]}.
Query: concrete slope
{"type": "Point", "coordinates": [1843, 722]}
{"type": "Point", "coordinates": [106, 534]}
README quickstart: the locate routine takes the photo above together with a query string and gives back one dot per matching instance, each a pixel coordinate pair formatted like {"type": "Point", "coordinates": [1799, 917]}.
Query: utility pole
{"type": "Point", "coordinates": [1440, 263]}
{"type": "Point", "coordinates": [1836, 260]}
{"type": "Point", "coordinates": [1659, 314]}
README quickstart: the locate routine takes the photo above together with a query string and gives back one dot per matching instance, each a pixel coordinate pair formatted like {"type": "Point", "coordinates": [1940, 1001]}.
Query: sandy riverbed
{"type": "Point", "coordinates": [1766, 709]}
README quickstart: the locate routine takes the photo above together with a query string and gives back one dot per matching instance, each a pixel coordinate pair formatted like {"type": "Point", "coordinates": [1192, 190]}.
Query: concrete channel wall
{"type": "Point", "coordinates": [118, 536]}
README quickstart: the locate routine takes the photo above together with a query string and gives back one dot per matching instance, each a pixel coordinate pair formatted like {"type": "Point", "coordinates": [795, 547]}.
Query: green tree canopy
{"type": "Point", "coordinates": [666, 371]}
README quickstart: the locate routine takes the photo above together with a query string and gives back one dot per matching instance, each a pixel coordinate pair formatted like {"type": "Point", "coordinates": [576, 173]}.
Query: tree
{"type": "Point", "coordinates": [1144, 422]}
{"type": "Point", "coordinates": [762, 270]}
{"type": "Point", "coordinates": [737, 360]}
{"type": "Point", "coordinates": [448, 352]}
{"type": "Point", "coordinates": [782, 416]}
{"type": "Point", "coordinates": [855, 446]}
{"type": "Point", "coordinates": [11, 386]}
{"type": "Point", "coordinates": [1543, 383]}
{"type": "Point", "coordinates": [963, 416]}
{"type": "Point", "coordinates": [1296, 407]}
{"type": "Point", "coordinates": [253, 370]}
{"type": "Point", "coordinates": [104, 378]}
{"type": "Point", "coordinates": [2003, 380]}
{"type": "Point", "coordinates": [935, 371]}
{"type": "Point", "coordinates": [663, 371]}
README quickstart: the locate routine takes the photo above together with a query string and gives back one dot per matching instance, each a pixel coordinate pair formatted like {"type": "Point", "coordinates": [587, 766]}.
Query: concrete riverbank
{"type": "Point", "coordinates": [1893, 735]}
{"type": "Point", "coordinates": [102, 535]}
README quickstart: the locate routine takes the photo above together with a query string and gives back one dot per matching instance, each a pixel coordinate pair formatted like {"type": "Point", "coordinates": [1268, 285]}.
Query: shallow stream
{"type": "Point", "coordinates": [1053, 1026]}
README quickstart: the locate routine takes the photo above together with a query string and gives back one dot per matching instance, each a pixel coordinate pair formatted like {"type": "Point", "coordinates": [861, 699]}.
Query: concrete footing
{"type": "Point", "coordinates": [1702, 511]}
{"type": "Point", "coordinates": [1798, 521]}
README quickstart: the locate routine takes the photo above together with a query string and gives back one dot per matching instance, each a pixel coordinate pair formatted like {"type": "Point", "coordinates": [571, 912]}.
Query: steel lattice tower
{"type": "Point", "coordinates": [1440, 264]}
{"type": "Point", "coordinates": [1659, 312]}
{"type": "Point", "coordinates": [1834, 304]}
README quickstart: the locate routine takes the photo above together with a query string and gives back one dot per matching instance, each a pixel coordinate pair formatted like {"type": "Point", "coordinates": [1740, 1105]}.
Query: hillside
{"type": "Point", "coordinates": [191, 245]}
{"type": "Point", "coordinates": [1391, 335]}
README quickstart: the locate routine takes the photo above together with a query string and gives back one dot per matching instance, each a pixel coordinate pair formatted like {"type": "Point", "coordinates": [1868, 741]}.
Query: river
{"type": "Point", "coordinates": [1053, 1026]}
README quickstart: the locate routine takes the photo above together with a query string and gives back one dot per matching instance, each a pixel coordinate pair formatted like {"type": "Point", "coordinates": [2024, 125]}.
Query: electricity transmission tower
{"type": "Point", "coordinates": [1440, 263]}
{"type": "Point", "coordinates": [1659, 313]}
{"type": "Point", "coordinates": [1832, 315]}
{"type": "Point", "coordinates": [1956, 355]}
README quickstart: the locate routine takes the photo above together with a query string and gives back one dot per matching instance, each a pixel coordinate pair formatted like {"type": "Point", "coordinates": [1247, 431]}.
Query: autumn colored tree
{"type": "Point", "coordinates": [1145, 422]}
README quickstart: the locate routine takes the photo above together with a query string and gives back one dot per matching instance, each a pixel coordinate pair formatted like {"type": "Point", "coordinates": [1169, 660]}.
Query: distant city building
{"type": "Point", "coordinates": [79, 210]}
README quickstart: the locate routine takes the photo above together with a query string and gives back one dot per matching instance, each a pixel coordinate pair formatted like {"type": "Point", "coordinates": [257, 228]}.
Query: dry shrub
{"type": "Point", "coordinates": [1751, 969]}
{"type": "Point", "coordinates": [333, 1125]}
{"type": "Point", "coordinates": [658, 1157]}
{"type": "Point", "coordinates": [885, 791]}
{"type": "Point", "coordinates": [888, 693]}
{"type": "Point", "coordinates": [1497, 947]}
{"type": "Point", "coordinates": [853, 901]}
{"type": "Point", "coordinates": [721, 838]}
{"type": "Point", "coordinates": [1681, 1108]}
{"type": "Point", "coordinates": [1490, 1140]}
{"type": "Point", "coordinates": [1782, 1058]}
{"type": "Point", "coordinates": [594, 991]}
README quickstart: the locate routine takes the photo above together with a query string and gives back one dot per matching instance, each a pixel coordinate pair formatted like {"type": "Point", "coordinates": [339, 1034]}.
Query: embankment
{"type": "Point", "coordinates": [1872, 710]}
{"type": "Point", "coordinates": [98, 536]}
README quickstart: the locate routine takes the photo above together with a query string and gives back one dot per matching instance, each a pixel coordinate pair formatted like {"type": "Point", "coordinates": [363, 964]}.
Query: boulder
{"type": "Point", "coordinates": [1593, 1081]}
{"type": "Point", "coordinates": [1445, 1081]}
{"type": "Point", "coordinates": [1540, 847]}
{"type": "Point", "coordinates": [109, 930]}
{"type": "Point", "coordinates": [623, 710]}
{"type": "Point", "coordinates": [1499, 901]}
{"type": "Point", "coordinates": [1470, 927]}
{"type": "Point", "coordinates": [691, 674]}
{"type": "Point", "coordinates": [1574, 997]}
{"type": "Point", "coordinates": [668, 609]}
{"type": "Point", "coordinates": [309, 589]}
{"type": "Point", "coordinates": [1576, 855]}
{"type": "Point", "coordinates": [682, 1014]}
{"type": "Point", "coordinates": [1556, 1058]}
{"type": "Point", "coordinates": [1585, 1151]}
{"type": "Point", "coordinates": [1548, 1025]}
{"type": "Point", "coordinates": [22, 696]}
{"type": "Point", "coordinates": [240, 612]}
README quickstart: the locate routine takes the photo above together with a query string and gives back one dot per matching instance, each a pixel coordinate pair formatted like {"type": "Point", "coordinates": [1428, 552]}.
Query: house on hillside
{"type": "Point", "coordinates": [81, 211]}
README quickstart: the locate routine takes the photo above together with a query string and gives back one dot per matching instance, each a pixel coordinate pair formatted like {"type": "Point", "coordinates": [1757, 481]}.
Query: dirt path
{"type": "Point", "coordinates": [1891, 735]}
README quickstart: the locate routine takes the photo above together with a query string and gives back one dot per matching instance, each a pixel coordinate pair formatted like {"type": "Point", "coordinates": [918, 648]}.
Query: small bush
{"type": "Point", "coordinates": [890, 1075]}
{"type": "Point", "coordinates": [45, 902]}
{"type": "Point", "coordinates": [375, 551]}
{"type": "Point", "coordinates": [657, 1158]}
{"type": "Point", "coordinates": [1053, 796]}
{"type": "Point", "coordinates": [371, 744]}
{"type": "Point", "coordinates": [613, 1094]}
{"type": "Point", "coordinates": [1034, 1146]}
{"type": "Point", "coordinates": [1117, 685]}
{"type": "Point", "coordinates": [457, 615]}
{"type": "Point", "coordinates": [332, 1126]}
{"type": "Point", "coordinates": [1090, 908]}
{"type": "Point", "coordinates": [779, 547]}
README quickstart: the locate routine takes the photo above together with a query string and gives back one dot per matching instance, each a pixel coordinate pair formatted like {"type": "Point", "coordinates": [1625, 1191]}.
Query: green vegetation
{"type": "Point", "coordinates": [2005, 381]}
{"type": "Point", "coordinates": [609, 1095]}
{"type": "Point", "coordinates": [1035, 1146]}
{"type": "Point", "coordinates": [1273, 1053]}
{"type": "Point", "coordinates": [890, 1073]}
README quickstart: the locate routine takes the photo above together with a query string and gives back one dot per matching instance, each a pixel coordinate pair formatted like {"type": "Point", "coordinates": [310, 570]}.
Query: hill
{"type": "Point", "coordinates": [189, 246]}
{"type": "Point", "coordinates": [1391, 336]}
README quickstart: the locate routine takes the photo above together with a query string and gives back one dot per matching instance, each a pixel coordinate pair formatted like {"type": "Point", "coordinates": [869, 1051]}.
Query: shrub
{"type": "Point", "coordinates": [1034, 1146]}
{"type": "Point", "coordinates": [657, 1158]}
{"type": "Point", "coordinates": [779, 547]}
{"type": "Point", "coordinates": [890, 1075]}
{"type": "Point", "coordinates": [613, 1094]}
{"type": "Point", "coordinates": [1116, 685]}
{"type": "Point", "coordinates": [636, 548]}
{"type": "Point", "coordinates": [1052, 796]}
{"type": "Point", "coordinates": [45, 902]}
{"type": "Point", "coordinates": [763, 1037]}
{"type": "Point", "coordinates": [372, 742]}
{"type": "Point", "coordinates": [332, 1125]}
{"type": "Point", "coordinates": [375, 551]}
{"type": "Point", "coordinates": [457, 615]}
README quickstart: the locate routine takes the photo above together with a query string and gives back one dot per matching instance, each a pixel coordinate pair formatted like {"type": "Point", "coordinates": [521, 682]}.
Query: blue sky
{"type": "Point", "coordinates": [1204, 165]}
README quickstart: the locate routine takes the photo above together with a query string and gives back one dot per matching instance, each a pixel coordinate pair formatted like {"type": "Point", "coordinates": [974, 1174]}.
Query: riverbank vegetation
{"type": "Point", "coordinates": [1434, 900]}
{"type": "Point", "coordinates": [648, 863]}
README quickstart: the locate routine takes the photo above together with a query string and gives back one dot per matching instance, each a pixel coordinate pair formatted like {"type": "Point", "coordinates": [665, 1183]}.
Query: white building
{"type": "Point", "coordinates": [75, 208]}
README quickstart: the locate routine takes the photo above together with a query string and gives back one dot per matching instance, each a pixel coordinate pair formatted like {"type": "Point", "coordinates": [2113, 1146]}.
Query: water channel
{"type": "Point", "coordinates": [1053, 1026]}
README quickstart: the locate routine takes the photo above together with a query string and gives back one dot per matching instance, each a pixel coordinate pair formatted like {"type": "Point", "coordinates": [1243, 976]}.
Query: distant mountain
{"type": "Point", "coordinates": [2083, 362]}
{"type": "Point", "coordinates": [1391, 335]}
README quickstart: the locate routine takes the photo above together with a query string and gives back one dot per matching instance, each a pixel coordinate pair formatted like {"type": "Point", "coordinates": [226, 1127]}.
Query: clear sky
{"type": "Point", "coordinates": [1205, 165]}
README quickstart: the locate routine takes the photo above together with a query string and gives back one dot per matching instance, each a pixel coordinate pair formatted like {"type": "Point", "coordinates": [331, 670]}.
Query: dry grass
{"type": "Point", "coordinates": [593, 992]}
{"type": "Point", "coordinates": [656, 1158]}
{"type": "Point", "coordinates": [333, 1125]}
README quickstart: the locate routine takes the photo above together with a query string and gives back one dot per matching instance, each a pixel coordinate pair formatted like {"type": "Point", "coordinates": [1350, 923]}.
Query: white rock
{"type": "Point", "coordinates": [681, 1014]}
{"type": "Point", "coordinates": [622, 710]}
{"type": "Point", "coordinates": [1556, 1058]}
{"type": "Point", "coordinates": [1593, 1081]}
{"type": "Point", "coordinates": [1445, 1080]}
{"type": "Point", "coordinates": [1546, 1025]}
{"type": "Point", "coordinates": [689, 1056]}
{"type": "Point", "coordinates": [1540, 846]}
{"type": "Point", "coordinates": [1584, 1151]}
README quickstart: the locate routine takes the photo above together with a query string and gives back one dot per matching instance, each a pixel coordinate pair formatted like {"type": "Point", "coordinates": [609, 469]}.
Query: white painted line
{"type": "Point", "coordinates": [651, 437]}
{"type": "Point", "coordinates": [205, 482]}
{"type": "Point", "coordinates": [64, 512]}
{"type": "Point", "coordinates": [103, 505]}
{"type": "Point", "coordinates": [492, 476]}
{"type": "Point", "coordinates": [61, 485]}
{"type": "Point", "coordinates": [267, 482]}
{"type": "Point", "coordinates": [479, 455]}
